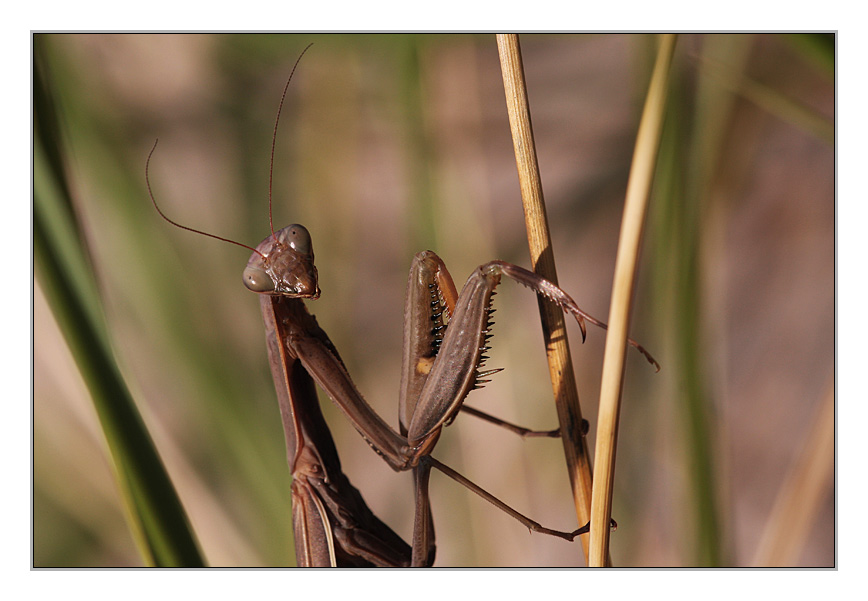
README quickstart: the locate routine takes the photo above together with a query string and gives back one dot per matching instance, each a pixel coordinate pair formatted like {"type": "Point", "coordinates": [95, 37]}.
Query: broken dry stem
{"type": "Point", "coordinates": [542, 259]}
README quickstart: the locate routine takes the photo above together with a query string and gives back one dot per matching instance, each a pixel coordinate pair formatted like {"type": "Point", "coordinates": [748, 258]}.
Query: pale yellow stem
{"type": "Point", "coordinates": [807, 485]}
{"type": "Point", "coordinates": [635, 206]}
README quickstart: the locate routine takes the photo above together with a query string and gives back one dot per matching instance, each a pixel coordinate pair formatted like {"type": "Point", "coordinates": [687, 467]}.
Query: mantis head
{"type": "Point", "coordinates": [282, 265]}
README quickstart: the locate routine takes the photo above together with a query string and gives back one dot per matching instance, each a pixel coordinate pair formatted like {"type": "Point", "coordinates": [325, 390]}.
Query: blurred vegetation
{"type": "Point", "coordinates": [393, 143]}
{"type": "Point", "coordinates": [154, 511]}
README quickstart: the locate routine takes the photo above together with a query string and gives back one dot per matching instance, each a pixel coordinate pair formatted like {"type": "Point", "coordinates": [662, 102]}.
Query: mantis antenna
{"type": "Point", "coordinates": [270, 173]}
{"type": "Point", "coordinates": [274, 135]}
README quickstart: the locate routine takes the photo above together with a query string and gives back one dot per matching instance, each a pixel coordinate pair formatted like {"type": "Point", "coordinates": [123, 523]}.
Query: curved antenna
{"type": "Point", "coordinates": [274, 135]}
{"type": "Point", "coordinates": [176, 224]}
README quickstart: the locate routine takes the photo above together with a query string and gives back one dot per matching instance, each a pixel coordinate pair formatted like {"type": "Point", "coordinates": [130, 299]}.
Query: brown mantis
{"type": "Point", "coordinates": [445, 339]}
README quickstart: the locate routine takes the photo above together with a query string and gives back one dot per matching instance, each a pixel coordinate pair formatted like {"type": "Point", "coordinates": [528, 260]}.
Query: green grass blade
{"type": "Point", "coordinates": [155, 514]}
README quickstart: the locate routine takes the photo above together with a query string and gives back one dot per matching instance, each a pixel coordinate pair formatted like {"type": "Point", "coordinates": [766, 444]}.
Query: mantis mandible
{"type": "Point", "coordinates": [445, 339]}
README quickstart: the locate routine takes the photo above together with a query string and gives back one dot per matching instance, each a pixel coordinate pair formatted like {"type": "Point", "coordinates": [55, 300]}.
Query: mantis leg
{"type": "Point", "coordinates": [520, 430]}
{"type": "Point", "coordinates": [445, 340]}
{"type": "Point", "coordinates": [529, 523]}
{"type": "Point", "coordinates": [451, 368]}
{"type": "Point", "coordinates": [423, 526]}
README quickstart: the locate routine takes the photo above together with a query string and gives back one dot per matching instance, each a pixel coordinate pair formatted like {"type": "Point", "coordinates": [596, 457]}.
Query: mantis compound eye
{"type": "Point", "coordinates": [298, 238]}
{"type": "Point", "coordinates": [257, 280]}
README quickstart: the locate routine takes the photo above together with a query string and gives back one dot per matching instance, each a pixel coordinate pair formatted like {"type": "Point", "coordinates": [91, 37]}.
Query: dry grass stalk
{"type": "Point", "coordinates": [806, 487]}
{"type": "Point", "coordinates": [635, 205]}
{"type": "Point", "coordinates": [542, 259]}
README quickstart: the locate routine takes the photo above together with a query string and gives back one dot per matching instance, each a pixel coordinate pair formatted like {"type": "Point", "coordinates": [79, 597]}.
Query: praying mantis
{"type": "Point", "coordinates": [446, 336]}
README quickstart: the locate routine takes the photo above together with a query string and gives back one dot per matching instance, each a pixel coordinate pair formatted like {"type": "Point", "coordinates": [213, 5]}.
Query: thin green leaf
{"type": "Point", "coordinates": [156, 516]}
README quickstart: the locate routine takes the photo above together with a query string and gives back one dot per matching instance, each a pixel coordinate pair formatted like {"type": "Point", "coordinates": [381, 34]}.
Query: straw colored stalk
{"type": "Point", "coordinates": [543, 262]}
{"type": "Point", "coordinates": [807, 485]}
{"type": "Point", "coordinates": [635, 208]}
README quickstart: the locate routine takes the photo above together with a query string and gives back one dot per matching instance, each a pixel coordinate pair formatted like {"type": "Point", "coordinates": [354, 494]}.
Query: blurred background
{"type": "Point", "coordinates": [391, 144]}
